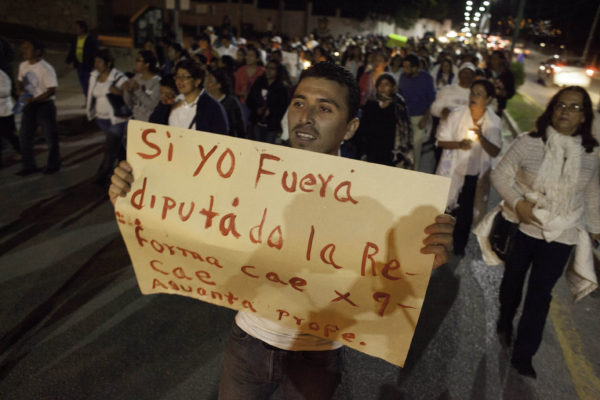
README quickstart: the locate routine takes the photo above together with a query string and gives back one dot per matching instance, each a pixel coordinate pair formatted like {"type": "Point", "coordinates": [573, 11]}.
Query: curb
{"type": "Point", "coordinates": [512, 125]}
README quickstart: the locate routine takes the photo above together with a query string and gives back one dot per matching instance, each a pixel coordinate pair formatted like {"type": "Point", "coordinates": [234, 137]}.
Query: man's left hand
{"type": "Point", "coordinates": [439, 240]}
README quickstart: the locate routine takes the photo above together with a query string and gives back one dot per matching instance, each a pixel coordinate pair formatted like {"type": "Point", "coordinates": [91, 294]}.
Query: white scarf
{"type": "Point", "coordinates": [557, 177]}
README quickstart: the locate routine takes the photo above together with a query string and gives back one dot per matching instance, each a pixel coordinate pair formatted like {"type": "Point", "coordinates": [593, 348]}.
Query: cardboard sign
{"type": "Point", "coordinates": [323, 244]}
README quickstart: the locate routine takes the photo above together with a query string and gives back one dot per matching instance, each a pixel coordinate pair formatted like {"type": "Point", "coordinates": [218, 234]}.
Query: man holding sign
{"type": "Point", "coordinates": [261, 353]}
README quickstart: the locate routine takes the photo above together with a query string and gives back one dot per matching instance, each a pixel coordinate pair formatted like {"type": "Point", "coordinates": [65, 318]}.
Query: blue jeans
{"type": "Point", "coordinates": [253, 370]}
{"type": "Point", "coordinates": [113, 148]}
{"type": "Point", "coordinates": [44, 115]}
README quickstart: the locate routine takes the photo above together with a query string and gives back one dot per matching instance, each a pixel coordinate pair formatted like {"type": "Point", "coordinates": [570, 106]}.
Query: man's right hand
{"type": "Point", "coordinates": [120, 181]}
{"type": "Point", "coordinates": [524, 211]}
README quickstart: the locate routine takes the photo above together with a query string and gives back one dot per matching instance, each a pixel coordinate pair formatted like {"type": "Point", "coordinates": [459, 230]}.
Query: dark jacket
{"type": "Point", "coordinates": [276, 101]}
{"type": "Point", "coordinates": [210, 115]}
{"type": "Point", "coordinates": [507, 79]}
{"type": "Point", "coordinates": [90, 47]}
{"type": "Point", "coordinates": [233, 109]}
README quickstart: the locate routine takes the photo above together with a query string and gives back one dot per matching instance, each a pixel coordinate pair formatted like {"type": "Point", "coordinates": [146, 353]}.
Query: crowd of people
{"type": "Point", "coordinates": [396, 99]}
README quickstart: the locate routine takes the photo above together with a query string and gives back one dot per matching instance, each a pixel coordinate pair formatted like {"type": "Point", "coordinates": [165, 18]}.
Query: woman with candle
{"type": "Point", "coordinates": [548, 180]}
{"type": "Point", "coordinates": [469, 139]}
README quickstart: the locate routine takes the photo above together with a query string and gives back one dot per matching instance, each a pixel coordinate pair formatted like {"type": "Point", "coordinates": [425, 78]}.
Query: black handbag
{"type": "Point", "coordinates": [120, 108]}
{"type": "Point", "coordinates": [502, 236]}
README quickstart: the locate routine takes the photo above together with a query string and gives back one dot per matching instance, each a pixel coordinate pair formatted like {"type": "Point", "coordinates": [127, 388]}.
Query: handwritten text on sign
{"type": "Point", "coordinates": [323, 244]}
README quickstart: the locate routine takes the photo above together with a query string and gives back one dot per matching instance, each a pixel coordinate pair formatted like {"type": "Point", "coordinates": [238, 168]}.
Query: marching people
{"type": "Point", "coordinates": [218, 85]}
{"type": "Point", "coordinates": [81, 54]}
{"type": "Point", "coordinates": [194, 108]}
{"type": "Point", "coordinates": [261, 354]}
{"type": "Point", "coordinates": [384, 135]}
{"type": "Point", "coordinates": [142, 92]}
{"type": "Point", "coordinates": [106, 80]}
{"type": "Point", "coordinates": [267, 101]}
{"type": "Point", "coordinates": [471, 136]}
{"type": "Point", "coordinates": [417, 88]}
{"type": "Point", "coordinates": [36, 88]}
{"type": "Point", "coordinates": [548, 180]}
{"type": "Point", "coordinates": [7, 117]}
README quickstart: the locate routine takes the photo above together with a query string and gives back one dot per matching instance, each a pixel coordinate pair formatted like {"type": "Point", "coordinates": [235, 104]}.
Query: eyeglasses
{"type": "Point", "coordinates": [183, 77]}
{"type": "Point", "coordinates": [560, 106]}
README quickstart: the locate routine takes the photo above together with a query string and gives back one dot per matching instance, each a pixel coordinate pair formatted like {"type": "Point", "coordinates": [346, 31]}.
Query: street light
{"type": "Point", "coordinates": [486, 3]}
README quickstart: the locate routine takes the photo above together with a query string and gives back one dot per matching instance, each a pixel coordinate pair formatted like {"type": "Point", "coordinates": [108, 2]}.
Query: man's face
{"type": "Point", "coordinates": [318, 116]}
{"type": "Point", "coordinates": [409, 70]}
{"type": "Point", "coordinates": [466, 77]}
{"type": "Point", "coordinates": [28, 51]}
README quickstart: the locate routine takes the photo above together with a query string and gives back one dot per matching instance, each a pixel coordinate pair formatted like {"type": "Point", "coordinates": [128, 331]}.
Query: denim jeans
{"type": "Point", "coordinates": [113, 148]}
{"type": "Point", "coordinates": [44, 115]}
{"type": "Point", "coordinates": [252, 369]}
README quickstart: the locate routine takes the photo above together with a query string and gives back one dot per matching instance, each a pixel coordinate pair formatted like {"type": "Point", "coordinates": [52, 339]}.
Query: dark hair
{"type": "Point", "coordinates": [149, 59]}
{"type": "Point", "coordinates": [37, 44]}
{"type": "Point", "coordinates": [490, 90]}
{"type": "Point", "coordinates": [192, 67]}
{"type": "Point", "coordinates": [255, 50]}
{"type": "Point", "coordinates": [413, 59]}
{"type": "Point", "coordinates": [223, 79]}
{"type": "Point", "coordinates": [336, 73]}
{"type": "Point", "coordinates": [82, 25]}
{"type": "Point", "coordinates": [178, 48]}
{"type": "Point", "coordinates": [106, 56]}
{"type": "Point", "coordinates": [388, 77]}
{"type": "Point", "coordinates": [203, 36]}
{"type": "Point", "coordinates": [585, 129]}
{"type": "Point", "coordinates": [168, 81]}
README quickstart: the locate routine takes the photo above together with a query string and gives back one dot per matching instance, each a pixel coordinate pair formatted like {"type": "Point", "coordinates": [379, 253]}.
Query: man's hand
{"type": "Point", "coordinates": [439, 240]}
{"type": "Point", "coordinates": [524, 211]}
{"type": "Point", "coordinates": [120, 181]}
{"type": "Point", "coordinates": [423, 122]}
{"type": "Point", "coordinates": [465, 144]}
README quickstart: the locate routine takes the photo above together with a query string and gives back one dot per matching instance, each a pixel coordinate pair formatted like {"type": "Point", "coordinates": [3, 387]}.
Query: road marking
{"type": "Point", "coordinates": [587, 384]}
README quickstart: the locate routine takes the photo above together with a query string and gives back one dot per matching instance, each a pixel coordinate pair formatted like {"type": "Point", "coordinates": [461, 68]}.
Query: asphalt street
{"type": "Point", "coordinates": [74, 325]}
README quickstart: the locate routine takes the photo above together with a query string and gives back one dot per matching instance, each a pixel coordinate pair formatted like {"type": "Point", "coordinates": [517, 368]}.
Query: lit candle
{"type": "Point", "coordinates": [471, 135]}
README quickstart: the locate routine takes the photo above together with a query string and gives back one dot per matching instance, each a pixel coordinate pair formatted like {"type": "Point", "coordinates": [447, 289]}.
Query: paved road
{"type": "Point", "coordinates": [73, 324]}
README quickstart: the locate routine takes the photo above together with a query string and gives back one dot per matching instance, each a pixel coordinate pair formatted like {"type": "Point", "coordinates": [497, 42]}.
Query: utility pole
{"type": "Point", "coordinates": [591, 34]}
{"type": "Point", "coordinates": [517, 28]}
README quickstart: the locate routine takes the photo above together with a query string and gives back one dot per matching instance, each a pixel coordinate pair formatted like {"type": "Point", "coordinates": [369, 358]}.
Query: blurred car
{"type": "Point", "coordinates": [565, 72]}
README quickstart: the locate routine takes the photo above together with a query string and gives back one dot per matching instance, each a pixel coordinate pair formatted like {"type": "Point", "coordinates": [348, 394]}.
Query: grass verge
{"type": "Point", "coordinates": [523, 112]}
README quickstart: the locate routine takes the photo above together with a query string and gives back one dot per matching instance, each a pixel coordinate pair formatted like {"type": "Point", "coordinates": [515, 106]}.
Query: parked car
{"type": "Point", "coordinates": [565, 72]}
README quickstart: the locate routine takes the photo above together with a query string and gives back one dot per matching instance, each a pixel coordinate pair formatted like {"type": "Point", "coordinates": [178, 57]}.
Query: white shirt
{"type": "Point", "coordinates": [457, 163]}
{"type": "Point", "coordinates": [6, 101]}
{"type": "Point", "coordinates": [282, 337]}
{"type": "Point", "coordinates": [37, 78]}
{"type": "Point", "coordinates": [451, 97]}
{"type": "Point", "coordinates": [185, 113]}
{"type": "Point", "coordinates": [99, 92]}
{"type": "Point", "coordinates": [227, 51]}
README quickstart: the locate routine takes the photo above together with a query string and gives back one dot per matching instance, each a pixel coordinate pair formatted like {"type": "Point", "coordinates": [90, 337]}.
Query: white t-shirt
{"type": "Point", "coordinates": [282, 337]}
{"type": "Point", "coordinates": [451, 97]}
{"type": "Point", "coordinates": [103, 107]}
{"type": "Point", "coordinates": [6, 102]}
{"type": "Point", "coordinates": [185, 113]}
{"type": "Point", "coordinates": [37, 78]}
